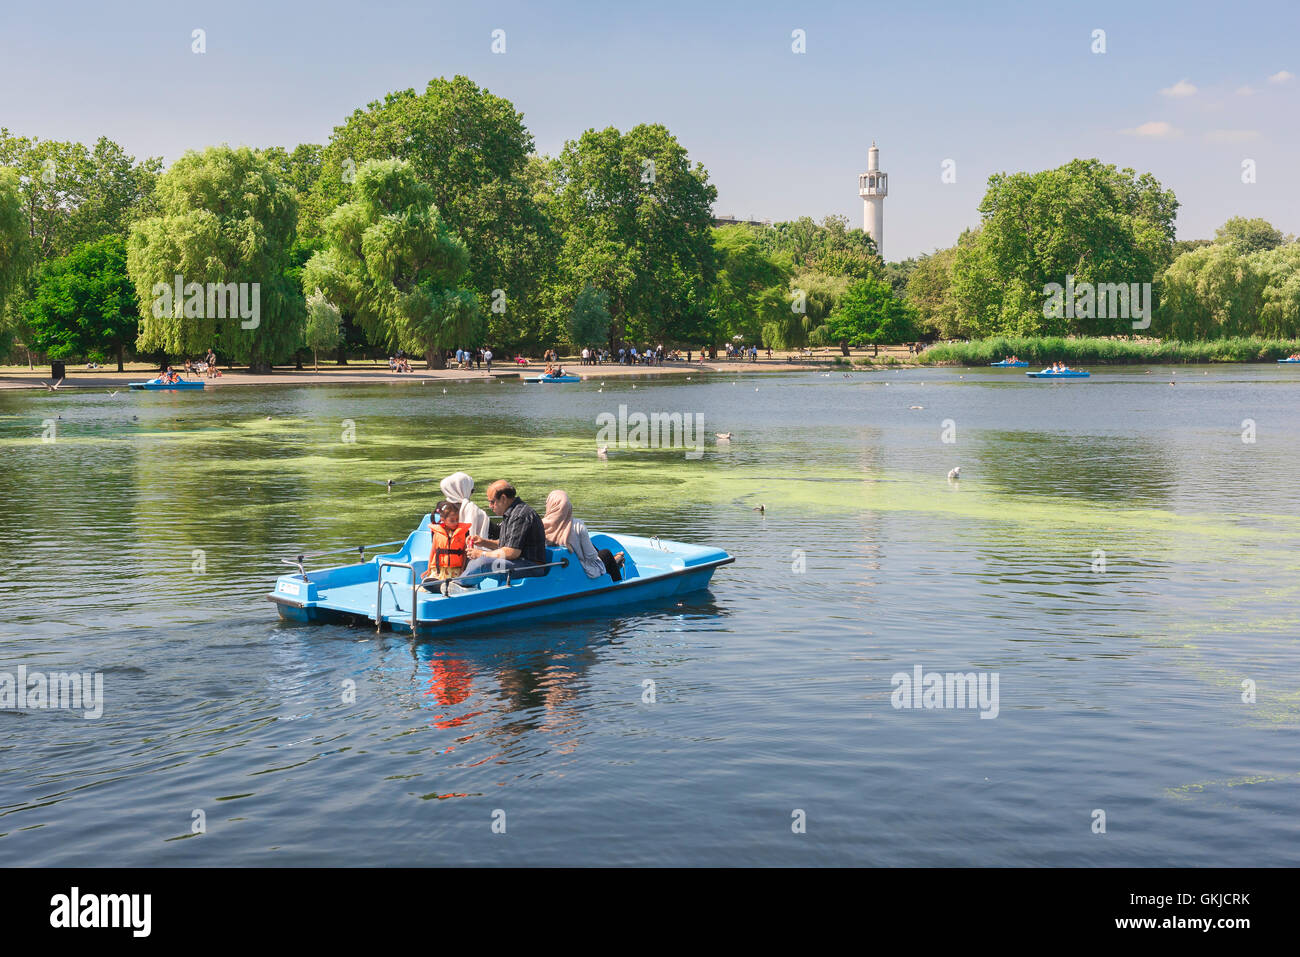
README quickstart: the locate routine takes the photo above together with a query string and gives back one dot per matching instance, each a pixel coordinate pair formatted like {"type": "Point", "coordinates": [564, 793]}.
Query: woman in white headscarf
{"type": "Point", "coordinates": [459, 488]}
{"type": "Point", "coordinates": [565, 531]}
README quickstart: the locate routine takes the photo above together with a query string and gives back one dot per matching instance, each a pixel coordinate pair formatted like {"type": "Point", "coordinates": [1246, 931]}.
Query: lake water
{"type": "Point", "coordinates": [1124, 564]}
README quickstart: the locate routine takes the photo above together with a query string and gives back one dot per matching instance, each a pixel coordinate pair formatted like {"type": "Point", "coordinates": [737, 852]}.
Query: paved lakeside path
{"type": "Point", "coordinates": [343, 375]}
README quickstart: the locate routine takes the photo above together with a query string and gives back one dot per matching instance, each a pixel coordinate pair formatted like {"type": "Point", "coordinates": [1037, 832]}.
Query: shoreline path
{"type": "Point", "coordinates": [342, 375]}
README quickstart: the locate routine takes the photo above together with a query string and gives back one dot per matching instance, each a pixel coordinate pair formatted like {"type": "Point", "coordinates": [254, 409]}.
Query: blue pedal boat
{"type": "Point", "coordinates": [1004, 364]}
{"type": "Point", "coordinates": [1288, 360]}
{"type": "Point", "coordinates": [387, 589]}
{"type": "Point", "coordinates": [1048, 374]}
{"type": "Point", "coordinates": [553, 378]}
{"type": "Point", "coordinates": [153, 385]}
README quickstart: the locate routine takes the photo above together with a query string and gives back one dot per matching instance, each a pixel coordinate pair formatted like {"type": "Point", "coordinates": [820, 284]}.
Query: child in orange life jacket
{"type": "Point", "coordinates": [449, 540]}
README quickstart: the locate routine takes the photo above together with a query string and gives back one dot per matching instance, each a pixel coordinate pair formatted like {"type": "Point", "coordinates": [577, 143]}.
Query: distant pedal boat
{"type": "Point", "coordinates": [1004, 364]}
{"type": "Point", "coordinates": [1049, 374]}
{"type": "Point", "coordinates": [153, 385]}
{"type": "Point", "coordinates": [552, 379]}
{"type": "Point", "coordinates": [387, 590]}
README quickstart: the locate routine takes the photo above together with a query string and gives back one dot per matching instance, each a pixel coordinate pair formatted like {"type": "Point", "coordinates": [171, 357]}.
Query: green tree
{"type": "Point", "coordinates": [226, 227]}
{"type": "Point", "coordinates": [929, 291]}
{"type": "Point", "coordinates": [1210, 293]}
{"type": "Point", "coordinates": [898, 274]}
{"type": "Point", "coordinates": [393, 262]}
{"type": "Point", "coordinates": [1249, 235]}
{"type": "Point", "coordinates": [869, 312]}
{"type": "Point", "coordinates": [828, 247]}
{"type": "Point", "coordinates": [299, 169]}
{"type": "Point", "coordinates": [749, 292]}
{"type": "Point", "coordinates": [1085, 219]}
{"type": "Point", "coordinates": [636, 221]}
{"type": "Point", "coordinates": [84, 303]}
{"type": "Point", "coordinates": [589, 320]}
{"type": "Point", "coordinates": [471, 149]}
{"type": "Point", "coordinates": [324, 326]}
{"type": "Point", "coordinates": [75, 195]}
{"type": "Point", "coordinates": [15, 252]}
{"type": "Point", "coordinates": [1279, 316]}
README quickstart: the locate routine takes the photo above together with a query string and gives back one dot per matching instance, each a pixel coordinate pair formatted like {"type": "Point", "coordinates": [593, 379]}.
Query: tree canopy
{"type": "Point", "coordinates": [636, 217]}
{"type": "Point", "coordinates": [1085, 219]}
{"type": "Point", "coordinates": [396, 265]}
{"type": "Point", "coordinates": [225, 228]}
{"type": "Point", "coordinates": [869, 312]}
{"type": "Point", "coordinates": [470, 148]}
{"type": "Point", "coordinates": [84, 303]}
{"type": "Point", "coordinates": [1249, 235]}
{"type": "Point", "coordinates": [428, 222]}
{"type": "Point", "coordinates": [74, 194]}
{"type": "Point", "coordinates": [14, 246]}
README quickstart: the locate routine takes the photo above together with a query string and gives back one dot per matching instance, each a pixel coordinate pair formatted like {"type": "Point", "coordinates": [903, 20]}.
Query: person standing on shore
{"type": "Point", "coordinates": [487, 358]}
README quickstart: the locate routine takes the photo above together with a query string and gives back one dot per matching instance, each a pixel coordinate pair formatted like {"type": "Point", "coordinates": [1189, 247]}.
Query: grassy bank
{"type": "Point", "coordinates": [1104, 351]}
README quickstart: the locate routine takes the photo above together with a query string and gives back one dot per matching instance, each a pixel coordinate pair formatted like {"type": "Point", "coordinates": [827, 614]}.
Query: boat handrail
{"type": "Point", "coordinates": [562, 563]}
{"type": "Point", "coordinates": [416, 583]}
{"type": "Point", "coordinates": [359, 549]}
{"type": "Point", "coordinates": [379, 591]}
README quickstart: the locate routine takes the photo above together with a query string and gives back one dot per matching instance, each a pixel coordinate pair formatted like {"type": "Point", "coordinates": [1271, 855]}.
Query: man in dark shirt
{"type": "Point", "coordinates": [521, 543]}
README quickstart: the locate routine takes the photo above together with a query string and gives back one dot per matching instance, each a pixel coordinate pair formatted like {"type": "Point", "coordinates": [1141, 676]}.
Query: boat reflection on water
{"type": "Point", "coordinates": [534, 682]}
{"type": "Point", "coordinates": [450, 683]}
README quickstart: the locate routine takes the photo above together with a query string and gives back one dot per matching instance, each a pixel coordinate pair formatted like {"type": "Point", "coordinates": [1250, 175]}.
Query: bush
{"type": "Point", "coordinates": [1049, 349]}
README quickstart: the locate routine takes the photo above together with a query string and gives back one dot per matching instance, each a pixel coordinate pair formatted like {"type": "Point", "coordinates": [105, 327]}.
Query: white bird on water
{"type": "Point", "coordinates": [53, 388]}
{"type": "Point", "coordinates": [602, 452]}
{"type": "Point", "coordinates": [724, 436]}
{"type": "Point", "coordinates": [955, 474]}
{"type": "Point", "coordinates": [112, 394]}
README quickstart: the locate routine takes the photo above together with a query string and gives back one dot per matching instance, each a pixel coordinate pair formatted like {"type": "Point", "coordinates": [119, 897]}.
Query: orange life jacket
{"type": "Point", "coordinates": [448, 546]}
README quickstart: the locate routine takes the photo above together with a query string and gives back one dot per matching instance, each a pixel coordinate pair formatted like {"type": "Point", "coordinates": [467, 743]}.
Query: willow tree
{"type": "Point", "coordinates": [14, 246]}
{"type": "Point", "coordinates": [393, 263]}
{"type": "Point", "coordinates": [210, 269]}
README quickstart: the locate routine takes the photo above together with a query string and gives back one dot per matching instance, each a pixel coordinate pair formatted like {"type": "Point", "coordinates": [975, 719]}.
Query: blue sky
{"type": "Point", "coordinates": [1187, 91]}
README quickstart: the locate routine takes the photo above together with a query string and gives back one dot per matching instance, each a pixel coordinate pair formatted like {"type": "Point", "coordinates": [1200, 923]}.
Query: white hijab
{"type": "Point", "coordinates": [458, 487]}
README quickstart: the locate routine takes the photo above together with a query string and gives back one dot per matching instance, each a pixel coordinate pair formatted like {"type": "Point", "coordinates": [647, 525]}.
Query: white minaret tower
{"type": "Point", "coordinates": [873, 187]}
